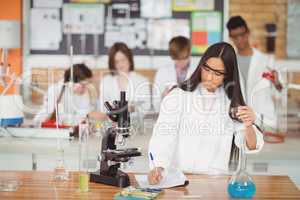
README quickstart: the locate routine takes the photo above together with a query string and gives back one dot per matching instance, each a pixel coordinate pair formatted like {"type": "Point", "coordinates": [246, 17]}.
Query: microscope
{"type": "Point", "coordinates": [111, 156]}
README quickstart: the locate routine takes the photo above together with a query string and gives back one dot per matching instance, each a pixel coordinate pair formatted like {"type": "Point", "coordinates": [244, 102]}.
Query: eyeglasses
{"type": "Point", "coordinates": [207, 68]}
{"type": "Point", "coordinates": [236, 36]}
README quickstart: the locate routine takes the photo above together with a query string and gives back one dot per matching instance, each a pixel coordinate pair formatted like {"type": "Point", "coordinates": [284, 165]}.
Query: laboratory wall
{"type": "Point", "coordinates": [258, 13]}
{"type": "Point", "coordinates": [12, 10]}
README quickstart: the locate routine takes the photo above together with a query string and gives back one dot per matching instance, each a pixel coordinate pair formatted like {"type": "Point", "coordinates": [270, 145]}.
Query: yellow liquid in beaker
{"type": "Point", "coordinates": [84, 179]}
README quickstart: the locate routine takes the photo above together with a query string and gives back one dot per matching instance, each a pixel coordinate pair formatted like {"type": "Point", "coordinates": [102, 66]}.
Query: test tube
{"type": "Point", "coordinates": [83, 157]}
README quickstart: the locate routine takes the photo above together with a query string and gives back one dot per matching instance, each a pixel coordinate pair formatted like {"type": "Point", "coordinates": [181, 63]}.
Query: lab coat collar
{"type": "Point", "coordinates": [187, 68]}
{"type": "Point", "coordinates": [203, 91]}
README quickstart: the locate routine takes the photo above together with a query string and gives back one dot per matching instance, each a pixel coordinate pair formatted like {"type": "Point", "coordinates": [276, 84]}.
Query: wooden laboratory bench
{"type": "Point", "coordinates": [40, 185]}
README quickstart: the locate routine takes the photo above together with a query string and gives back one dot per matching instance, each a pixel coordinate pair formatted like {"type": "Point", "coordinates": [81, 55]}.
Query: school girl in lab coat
{"type": "Point", "coordinates": [58, 101]}
{"type": "Point", "coordinates": [196, 124]}
{"type": "Point", "coordinates": [123, 78]}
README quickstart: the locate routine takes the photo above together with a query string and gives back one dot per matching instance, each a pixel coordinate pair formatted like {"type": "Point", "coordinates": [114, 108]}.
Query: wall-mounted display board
{"type": "Point", "coordinates": [146, 26]}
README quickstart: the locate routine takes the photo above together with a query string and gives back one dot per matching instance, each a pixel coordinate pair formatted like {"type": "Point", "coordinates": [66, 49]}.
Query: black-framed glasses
{"type": "Point", "coordinates": [216, 72]}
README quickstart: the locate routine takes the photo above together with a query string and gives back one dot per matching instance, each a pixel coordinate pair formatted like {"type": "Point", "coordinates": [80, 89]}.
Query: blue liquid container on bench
{"type": "Point", "coordinates": [241, 185]}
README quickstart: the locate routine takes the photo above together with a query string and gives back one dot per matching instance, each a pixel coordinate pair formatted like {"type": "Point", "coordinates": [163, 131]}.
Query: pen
{"type": "Point", "coordinates": [151, 190]}
{"type": "Point", "coordinates": [152, 160]}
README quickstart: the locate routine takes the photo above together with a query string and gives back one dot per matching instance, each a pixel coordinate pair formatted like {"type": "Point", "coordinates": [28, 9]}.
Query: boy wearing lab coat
{"type": "Point", "coordinates": [253, 64]}
{"type": "Point", "coordinates": [167, 77]}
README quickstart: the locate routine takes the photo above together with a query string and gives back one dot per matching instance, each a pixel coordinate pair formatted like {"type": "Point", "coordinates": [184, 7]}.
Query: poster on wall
{"type": "Point", "coordinates": [83, 18]}
{"type": "Point", "coordinates": [90, 1]}
{"type": "Point", "coordinates": [193, 5]}
{"type": "Point", "coordinates": [45, 29]}
{"type": "Point", "coordinates": [47, 3]}
{"type": "Point", "coordinates": [121, 8]}
{"type": "Point", "coordinates": [162, 8]}
{"type": "Point", "coordinates": [158, 37]}
{"type": "Point", "coordinates": [206, 30]}
{"type": "Point", "coordinates": [127, 30]}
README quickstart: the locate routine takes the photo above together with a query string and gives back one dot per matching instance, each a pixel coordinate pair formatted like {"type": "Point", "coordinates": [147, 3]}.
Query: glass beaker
{"type": "Point", "coordinates": [97, 129]}
{"type": "Point", "coordinates": [60, 171]}
{"type": "Point", "coordinates": [84, 176]}
{"type": "Point", "coordinates": [241, 184]}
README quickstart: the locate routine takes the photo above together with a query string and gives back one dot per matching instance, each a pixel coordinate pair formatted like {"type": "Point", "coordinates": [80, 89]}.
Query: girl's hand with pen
{"type": "Point", "coordinates": [155, 175]}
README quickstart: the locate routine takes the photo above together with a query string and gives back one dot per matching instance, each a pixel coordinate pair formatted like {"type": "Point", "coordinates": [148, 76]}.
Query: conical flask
{"type": "Point", "coordinates": [241, 184]}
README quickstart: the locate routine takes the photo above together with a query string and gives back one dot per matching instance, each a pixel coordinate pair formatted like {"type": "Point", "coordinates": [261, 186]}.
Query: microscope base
{"type": "Point", "coordinates": [120, 180]}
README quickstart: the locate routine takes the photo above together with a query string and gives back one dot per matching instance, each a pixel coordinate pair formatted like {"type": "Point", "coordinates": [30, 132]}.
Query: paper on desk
{"type": "Point", "coordinates": [173, 178]}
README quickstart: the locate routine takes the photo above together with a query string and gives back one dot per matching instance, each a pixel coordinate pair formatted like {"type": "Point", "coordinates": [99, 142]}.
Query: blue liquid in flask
{"type": "Point", "coordinates": [243, 190]}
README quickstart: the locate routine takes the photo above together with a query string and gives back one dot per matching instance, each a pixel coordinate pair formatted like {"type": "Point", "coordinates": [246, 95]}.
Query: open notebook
{"type": "Point", "coordinates": [173, 178]}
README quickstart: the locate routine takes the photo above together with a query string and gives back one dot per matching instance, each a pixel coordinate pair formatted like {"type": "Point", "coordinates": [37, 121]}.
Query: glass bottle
{"type": "Point", "coordinates": [241, 184]}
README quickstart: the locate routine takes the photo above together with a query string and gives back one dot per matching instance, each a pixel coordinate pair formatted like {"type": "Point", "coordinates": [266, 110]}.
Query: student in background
{"type": "Point", "coordinates": [167, 77]}
{"type": "Point", "coordinates": [58, 99]}
{"type": "Point", "coordinates": [123, 78]}
{"type": "Point", "coordinates": [197, 121]}
{"type": "Point", "coordinates": [252, 65]}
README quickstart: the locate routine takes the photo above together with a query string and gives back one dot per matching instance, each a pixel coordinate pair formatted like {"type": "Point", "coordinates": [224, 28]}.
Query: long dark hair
{"type": "Point", "coordinates": [123, 48]}
{"type": "Point", "coordinates": [231, 82]}
{"type": "Point", "coordinates": [80, 73]}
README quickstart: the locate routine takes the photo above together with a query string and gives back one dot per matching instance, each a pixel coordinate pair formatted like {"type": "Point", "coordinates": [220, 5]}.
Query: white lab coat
{"type": "Point", "coordinates": [165, 78]}
{"type": "Point", "coordinates": [80, 104]}
{"type": "Point", "coordinates": [137, 91]}
{"type": "Point", "coordinates": [194, 132]}
{"type": "Point", "coordinates": [258, 93]}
